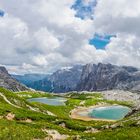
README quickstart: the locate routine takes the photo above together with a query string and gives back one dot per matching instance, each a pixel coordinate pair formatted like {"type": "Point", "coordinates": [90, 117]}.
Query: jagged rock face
{"type": "Point", "coordinates": [65, 80]}
{"type": "Point", "coordinates": [106, 76]}
{"type": "Point", "coordinates": [6, 81]}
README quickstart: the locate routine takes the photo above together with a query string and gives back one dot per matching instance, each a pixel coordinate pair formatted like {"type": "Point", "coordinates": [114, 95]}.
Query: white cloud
{"type": "Point", "coordinates": [122, 18]}
{"type": "Point", "coordinates": [42, 33]}
{"type": "Point", "coordinates": [124, 50]}
{"type": "Point", "coordinates": [118, 16]}
{"type": "Point", "coordinates": [13, 33]}
{"type": "Point", "coordinates": [42, 36]}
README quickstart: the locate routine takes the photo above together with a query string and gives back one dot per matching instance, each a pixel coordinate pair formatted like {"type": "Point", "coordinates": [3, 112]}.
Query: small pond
{"type": "Point", "coordinates": [115, 112]}
{"type": "Point", "coordinates": [55, 101]}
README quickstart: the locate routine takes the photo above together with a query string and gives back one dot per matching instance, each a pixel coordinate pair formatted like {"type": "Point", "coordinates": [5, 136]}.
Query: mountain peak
{"type": "Point", "coordinates": [7, 81]}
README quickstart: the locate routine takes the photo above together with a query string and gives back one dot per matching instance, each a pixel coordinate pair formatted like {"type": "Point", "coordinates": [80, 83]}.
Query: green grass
{"type": "Point", "coordinates": [128, 133]}
{"type": "Point", "coordinates": [31, 94]}
{"type": "Point", "coordinates": [92, 101]}
{"type": "Point", "coordinates": [84, 96]}
{"type": "Point", "coordinates": [18, 129]}
{"type": "Point", "coordinates": [12, 130]}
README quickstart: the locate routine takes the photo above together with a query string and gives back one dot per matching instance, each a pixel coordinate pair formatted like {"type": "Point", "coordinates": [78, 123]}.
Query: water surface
{"type": "Point", "coordinates": [55, 101]}
{"type": "Point", "coordinates": [116, 112]}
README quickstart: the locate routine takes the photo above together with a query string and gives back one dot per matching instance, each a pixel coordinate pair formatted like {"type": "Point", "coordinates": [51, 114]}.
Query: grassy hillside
{"type": "Point", "coordinates": [23, 120]}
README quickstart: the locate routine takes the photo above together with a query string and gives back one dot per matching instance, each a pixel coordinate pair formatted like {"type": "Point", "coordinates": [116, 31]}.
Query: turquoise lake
{"type": "Point", "coordinates": [116, 112]}
{"type": "Point", "coordinates": [55, 101]}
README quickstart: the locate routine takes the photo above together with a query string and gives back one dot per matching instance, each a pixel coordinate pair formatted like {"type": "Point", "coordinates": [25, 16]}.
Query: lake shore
{"type": "Point", "coordinates": [75, 114]}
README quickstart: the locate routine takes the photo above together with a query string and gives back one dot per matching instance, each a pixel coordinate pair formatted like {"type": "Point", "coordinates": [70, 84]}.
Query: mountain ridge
{"type": "Point", "coordinates": [8, 82]}
{"type": "Point", "coordinates": [91, 77]}
{"type": "Point", "coordinates": [107, 76]}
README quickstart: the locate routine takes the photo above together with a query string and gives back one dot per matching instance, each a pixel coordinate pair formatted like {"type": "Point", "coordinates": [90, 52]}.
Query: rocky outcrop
{"type": "Point", "coordinates": [106, 77]}
{"type": "Point", "coordinates": [6, 81]}
{"type": "Point", "coordinates": [66, 79]}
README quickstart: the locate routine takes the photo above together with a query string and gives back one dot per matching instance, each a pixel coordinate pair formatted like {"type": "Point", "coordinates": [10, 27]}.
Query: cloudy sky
{"type": "Point", "coordinates": [41, 36]}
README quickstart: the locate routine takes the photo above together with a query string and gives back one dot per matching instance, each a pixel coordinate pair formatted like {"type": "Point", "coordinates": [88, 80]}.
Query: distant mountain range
{"type": "Point", "coordinates": [35, 81]}
{"type": "Point", "coordinates": [8, 82]}
{"type": "Point", "coordinates": [106, 77]}
{"type": "Point", "coordinates": [28, 79]}
{"type": "Point", "coordinates": [63, 80]}
{"type": "Point", "coordinates": [90, 77]}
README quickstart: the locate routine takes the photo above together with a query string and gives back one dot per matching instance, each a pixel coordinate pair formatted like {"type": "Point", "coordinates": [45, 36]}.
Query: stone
{"type": "Point", "coordinates": [10, 116]}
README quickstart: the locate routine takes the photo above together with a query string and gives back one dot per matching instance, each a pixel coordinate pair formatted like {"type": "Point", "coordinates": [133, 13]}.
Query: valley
{"type": "Point", "coordinates": [21, 119]}
{"type": "Point", "coordinates": [69, 70]}
{"type": "Point", "coordinates": [107, 105]}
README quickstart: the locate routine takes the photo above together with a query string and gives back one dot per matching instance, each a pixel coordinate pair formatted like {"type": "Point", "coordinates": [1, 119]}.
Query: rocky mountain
{"type": "Point", "coordinates": [66, 79]}
{"type": "Point", "coordinates": [8, 82]}
{"type": "Point", "coordinates": [42, 85]}
{"type": "Point", "coordinates": [63, 80]}
{"type": "Point", "coordinates": [90, 77]}
{"type": "Point", "coordinates": [106, 76]}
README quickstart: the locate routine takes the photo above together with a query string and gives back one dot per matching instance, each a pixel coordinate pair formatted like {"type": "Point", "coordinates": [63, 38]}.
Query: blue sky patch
{"type": "Point", "coordinates": [100, 41]}
{"type": "Point", "coordinates": [1, 13]}
{"type": "Point", "coordinates": [84, 10]}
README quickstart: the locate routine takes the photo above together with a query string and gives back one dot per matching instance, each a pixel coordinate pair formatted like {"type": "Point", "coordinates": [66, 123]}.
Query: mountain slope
{"type": "Point", "coordinates": [65, 80]}
{"type": "Point", "coordinates": [24, 120]}
{"type": "Point", "coordinates": [106, 76]}
{"type": "Point", "coordinates": [42, 85]}
{"type": "Point", "coordinates": [6, 81]}
{"type": "Point", "coordinates": [90, 77]}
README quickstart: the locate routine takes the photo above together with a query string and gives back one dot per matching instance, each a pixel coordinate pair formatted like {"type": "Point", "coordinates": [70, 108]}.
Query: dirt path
{"type": "Point", "coordinates": [31, 108]}
{"type": "Point", "coordinates": [4, 97]}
